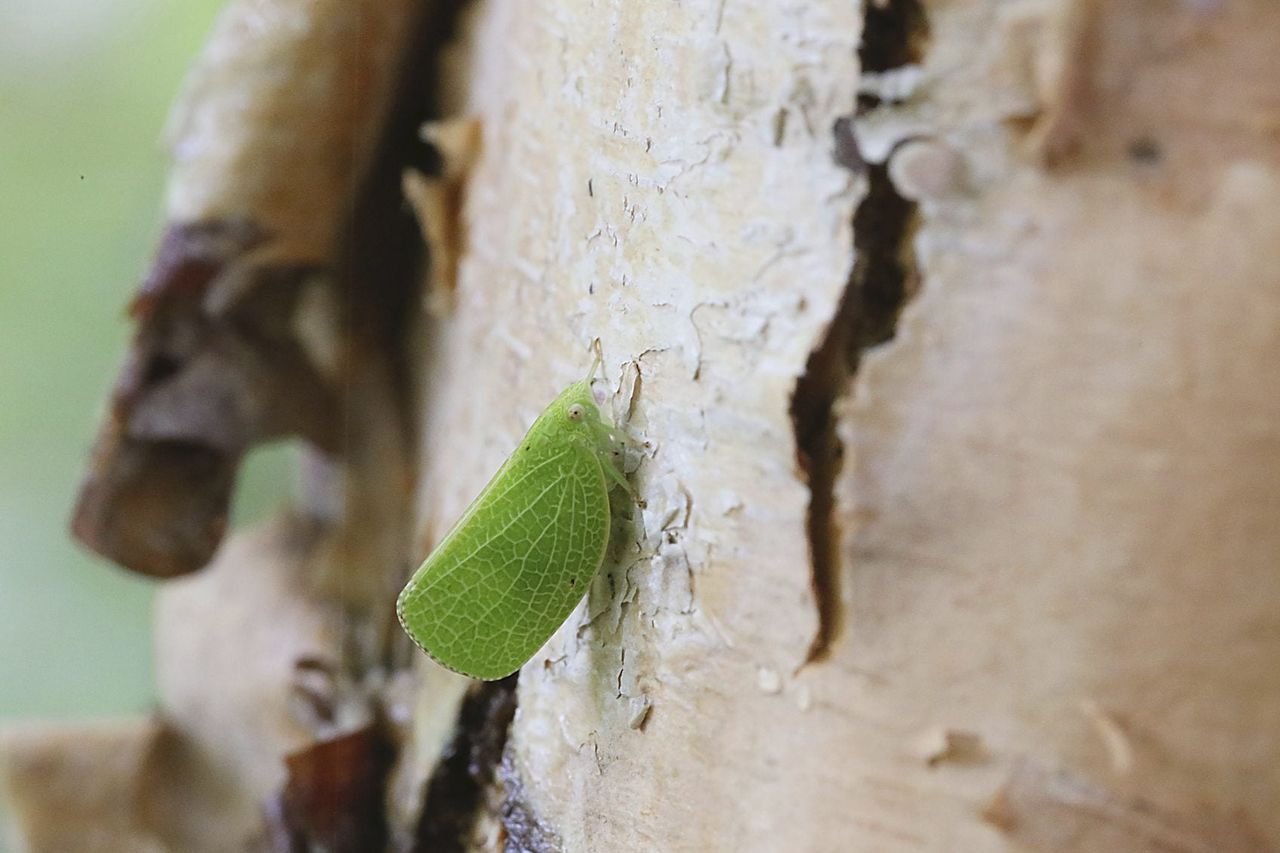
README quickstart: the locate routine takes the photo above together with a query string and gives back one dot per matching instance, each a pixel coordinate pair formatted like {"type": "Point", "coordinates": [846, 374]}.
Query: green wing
{"type": "Point", "coordinates": [516, 564]}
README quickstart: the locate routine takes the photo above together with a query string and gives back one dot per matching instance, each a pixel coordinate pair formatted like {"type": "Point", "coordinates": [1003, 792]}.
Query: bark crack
{"type": "Point", "coordinates": [456, 791]}
{"type": "Point", "coordinates": [882, 279]}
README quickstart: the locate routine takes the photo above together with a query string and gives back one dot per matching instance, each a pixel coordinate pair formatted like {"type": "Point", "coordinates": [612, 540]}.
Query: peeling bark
{"type": "Point", "coordinates": [286, 156]}
{"type": "Point", "coordinates": [940, 332]}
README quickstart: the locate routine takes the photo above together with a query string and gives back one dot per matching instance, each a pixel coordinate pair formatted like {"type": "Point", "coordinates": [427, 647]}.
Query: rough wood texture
{"type": "Point", "coordinates": [946, 333]}
{"type": "Point", "coordinates": [1055, 584]}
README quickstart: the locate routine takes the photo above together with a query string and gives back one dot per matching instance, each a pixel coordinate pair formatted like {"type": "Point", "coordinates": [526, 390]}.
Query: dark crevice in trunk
{"type": "Point", "coordinates": [381, 261]}
{"type": "Point", "coordinates": [882, 279]}
{"type": "Point", "coordinates": [524, 830]}
{"type": "Point", "coordinates": [379, 270]}
{"type": "Point", "coordinates": [466, 771]}
{"type": "Point", "coordinates": [894, 34]}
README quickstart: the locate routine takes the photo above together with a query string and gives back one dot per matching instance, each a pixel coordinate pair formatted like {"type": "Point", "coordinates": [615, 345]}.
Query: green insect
{"type": "Point", "coordinates": [521, 557]}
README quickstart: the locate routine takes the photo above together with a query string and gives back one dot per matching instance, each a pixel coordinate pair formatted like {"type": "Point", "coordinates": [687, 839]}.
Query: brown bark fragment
{"type": "Point", "coordinates": [438, 201]}
{"type": "Point", "coordinates": [272, 142]}
{"type": "Point", "coordinates": [333, 797]}
{"type": "Point", "coordinates": [199, 389]}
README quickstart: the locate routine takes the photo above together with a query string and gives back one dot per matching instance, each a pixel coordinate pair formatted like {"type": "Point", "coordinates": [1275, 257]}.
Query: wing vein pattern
{"type": "Point", "coordinates": [485, 596]}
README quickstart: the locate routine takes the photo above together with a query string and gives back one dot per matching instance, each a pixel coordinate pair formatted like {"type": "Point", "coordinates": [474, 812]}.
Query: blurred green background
{"type": "Point", "coordinates": [84, 90]}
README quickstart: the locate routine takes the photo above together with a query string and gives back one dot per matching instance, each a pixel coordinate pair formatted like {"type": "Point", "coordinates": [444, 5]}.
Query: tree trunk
{"type": "Point", "coordinates": [943, 332]}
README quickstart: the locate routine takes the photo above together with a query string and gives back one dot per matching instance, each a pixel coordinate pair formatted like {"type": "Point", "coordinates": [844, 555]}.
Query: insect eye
{"type": "Point", "coordinates": [575, 412]}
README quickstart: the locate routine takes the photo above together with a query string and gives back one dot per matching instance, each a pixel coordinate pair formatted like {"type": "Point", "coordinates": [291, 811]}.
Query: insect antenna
{"type": "Point", "coordinates": [596, 362]}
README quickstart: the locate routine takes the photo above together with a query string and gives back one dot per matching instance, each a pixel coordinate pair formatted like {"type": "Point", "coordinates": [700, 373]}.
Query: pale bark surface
{"type": "Point", "coordinates": [998, 572]}
{"type": "Point", "coordinates": [1062, 476]}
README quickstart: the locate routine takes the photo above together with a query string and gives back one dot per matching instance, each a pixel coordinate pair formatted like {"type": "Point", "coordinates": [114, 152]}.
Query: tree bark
{"type": "Point", "coordinates": [945, 333]}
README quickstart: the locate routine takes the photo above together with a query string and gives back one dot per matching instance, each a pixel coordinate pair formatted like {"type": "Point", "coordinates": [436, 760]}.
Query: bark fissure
{"type": "Point", "coordinates": [455, 793]}
{"type": "Point", "coordinates": [383, 254]}
{"type": "Point", "coordinates": [882, 279]}
{"type": "Point", "coordinates": [525, 830]}
{"type": "Point", "coordinates": [893, 35]}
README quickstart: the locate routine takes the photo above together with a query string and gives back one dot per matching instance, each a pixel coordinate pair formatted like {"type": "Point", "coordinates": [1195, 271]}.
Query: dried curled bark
{"type": "Point", "coordinates": [959, 474]}
{"type": "Point", "coordinates": [276, 306]}
{"type": "Point", "coordinates": [238, 321]}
